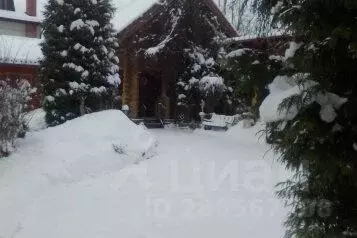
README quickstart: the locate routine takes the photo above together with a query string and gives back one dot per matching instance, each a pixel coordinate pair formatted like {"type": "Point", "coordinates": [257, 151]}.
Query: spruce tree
{"type": "Point", "coordinates": [197, 83]}
{"type": "Point", "coordinates": [80, 67]}
{"type": "Point", "coordinates": [248, 71]}
{"type": "Point", "coordinates": [320, 143]}
{"type": "Point", "coordinates": [201, 86]}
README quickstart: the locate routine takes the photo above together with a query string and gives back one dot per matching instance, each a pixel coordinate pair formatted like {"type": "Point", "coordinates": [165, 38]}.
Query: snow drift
{"type": "Point", "coordinates": [90, 144]}
{"type": "Point", "coordinates": [35, 120]}
{"type": "Point", "coordinates": [86, 146]}
{"type": "Point", "coordinates": [79, 150]}
{"type": "Point", "coordinates": [200, 184]}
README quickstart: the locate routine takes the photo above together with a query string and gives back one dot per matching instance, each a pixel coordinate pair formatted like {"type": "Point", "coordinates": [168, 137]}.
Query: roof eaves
{"type": "Point", "coordinates": [145, 17]}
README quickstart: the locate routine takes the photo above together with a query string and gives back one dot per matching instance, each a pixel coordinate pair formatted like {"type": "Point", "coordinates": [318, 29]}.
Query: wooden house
{"type": "Point", "coordinates": [19, 42]}
{"type": "Point", "coordinates": [153, 36]}
{"type": "Point", "coordinates": [152, 52]}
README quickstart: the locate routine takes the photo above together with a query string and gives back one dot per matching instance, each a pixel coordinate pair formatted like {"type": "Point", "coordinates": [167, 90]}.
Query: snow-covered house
{"type": "Point", "coordinates": [153, 46]}
{"type": "Point", "coordinates": [19, 40]}
{"type": "Point", "coordinates": [152, 34]}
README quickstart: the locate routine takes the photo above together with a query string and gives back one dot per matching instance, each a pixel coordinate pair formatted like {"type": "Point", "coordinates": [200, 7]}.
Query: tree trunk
{"type": "Point", "coordinates": [82, 106]}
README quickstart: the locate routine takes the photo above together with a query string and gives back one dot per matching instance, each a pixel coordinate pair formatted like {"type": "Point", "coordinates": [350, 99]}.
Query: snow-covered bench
{"type": "Point", "coordinates": [219, 122]}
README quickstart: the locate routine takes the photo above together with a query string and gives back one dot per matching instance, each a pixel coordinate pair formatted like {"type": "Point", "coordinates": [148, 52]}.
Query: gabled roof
{"type": "Point", "coordinates": [129, 11]}
{"type": "Point", "coordinates": [157, 7]}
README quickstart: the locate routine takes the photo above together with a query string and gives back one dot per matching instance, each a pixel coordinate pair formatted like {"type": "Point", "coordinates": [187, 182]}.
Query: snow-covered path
{"type": "Point", "coordinates": [199, 185]}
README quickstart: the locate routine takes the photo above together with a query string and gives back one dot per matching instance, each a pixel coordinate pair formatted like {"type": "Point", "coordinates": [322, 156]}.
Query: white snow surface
{"type": "Point", "coordinates": [129, 10]}
{"type": "Point", "coordinates": [280, 89]}
{"type": "Point", "coordinates": [67, 182]}
{"type": "Point", "coordinates": [293, 47]}
{"type": "Point", "coordinates": [284, 87]}
{"type": "Point", "coordinates": [20, 50]}
{"type": "Point", "coordinates": [35, 120]}
{"type": "Point", "coordinates": [329, 103]}
{"type": "Point", "coordinates": [238, 53]}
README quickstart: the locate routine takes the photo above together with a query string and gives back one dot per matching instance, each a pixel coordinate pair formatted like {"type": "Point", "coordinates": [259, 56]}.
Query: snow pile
{"type": "Point", "coordinates": [79, 150]}
{"type": "Point", "coordinates": [20, 50]}
{"type": "Point", "coordinates": [284, 87]}
{"type": "Point", "coordinates": [280, 89]}
{"type": "Point", "coordinates": [87, 146]}
{"type": "Point", "coordinates": [36, 120]}
{"type": "Point", "coordinates": [106, 129]}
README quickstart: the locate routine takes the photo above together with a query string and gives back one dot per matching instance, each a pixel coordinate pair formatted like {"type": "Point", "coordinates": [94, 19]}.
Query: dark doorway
{"type": "Point", "coordinates": [149, 93]}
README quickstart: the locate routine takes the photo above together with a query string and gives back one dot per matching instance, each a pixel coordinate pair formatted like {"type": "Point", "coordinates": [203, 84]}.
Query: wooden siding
{"type": "Point", "coordinates": [168, 64]}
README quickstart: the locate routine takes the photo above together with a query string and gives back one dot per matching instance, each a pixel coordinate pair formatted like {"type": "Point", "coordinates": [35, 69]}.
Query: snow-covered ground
{"type": "Point", "coordinates": [68, 182]}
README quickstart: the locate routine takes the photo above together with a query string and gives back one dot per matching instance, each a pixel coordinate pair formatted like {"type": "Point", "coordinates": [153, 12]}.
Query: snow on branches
{"type": "Point", "coordinates": [175, 15]}
{"type": "Point", "coordinates": [80, 61]}
{"type": "Point", "coordinates": [13, 102]}
{"type": "Point", "coordinates": [201, 81]}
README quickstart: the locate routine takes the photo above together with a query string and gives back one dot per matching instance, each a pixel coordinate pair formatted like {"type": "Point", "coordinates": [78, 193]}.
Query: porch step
{"type": "Point", "coordinates": [150, 122]}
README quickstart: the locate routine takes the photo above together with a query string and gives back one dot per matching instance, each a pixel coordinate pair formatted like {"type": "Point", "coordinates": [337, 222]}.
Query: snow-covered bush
{"type": "Point", "coordinates": [247, 72]}
{"type": "Point", "coordinates": [200, 85]}
{"type": "Point", "coordinates": [13, 102]}
{"type": "Point", "coordinates": [80, 65]}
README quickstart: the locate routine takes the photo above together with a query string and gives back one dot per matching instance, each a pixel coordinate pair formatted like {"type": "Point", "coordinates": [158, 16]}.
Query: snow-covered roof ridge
{"type": "Point", "coordinates": [18, 16]}
{"type": "Point", "coordinates": [20, 50]}
{"type": "Point", "coordinates": [128, 11]}
{"type": "Point", "coordinates": [154, 8]}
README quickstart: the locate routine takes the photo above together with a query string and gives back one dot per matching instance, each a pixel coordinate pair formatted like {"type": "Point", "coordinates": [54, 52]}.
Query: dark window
{"type": "Point", "coordinates": [7, 5]}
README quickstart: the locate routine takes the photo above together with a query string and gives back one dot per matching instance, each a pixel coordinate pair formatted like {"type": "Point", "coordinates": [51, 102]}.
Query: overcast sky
{"type": "Point", "coordinates": [20, 5]}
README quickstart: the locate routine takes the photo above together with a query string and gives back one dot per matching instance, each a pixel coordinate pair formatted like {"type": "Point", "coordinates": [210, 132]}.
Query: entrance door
{"type": "Point", "coordinates": [149, 94]}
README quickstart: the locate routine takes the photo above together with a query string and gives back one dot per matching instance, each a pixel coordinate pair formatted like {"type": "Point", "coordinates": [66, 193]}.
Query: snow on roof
{"type": "Point", "coordinates": [20, 50]}
{"type": "Point", "coordinates": [18, 16]}
{"type": "Point", "coordinates": [127, 11]}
